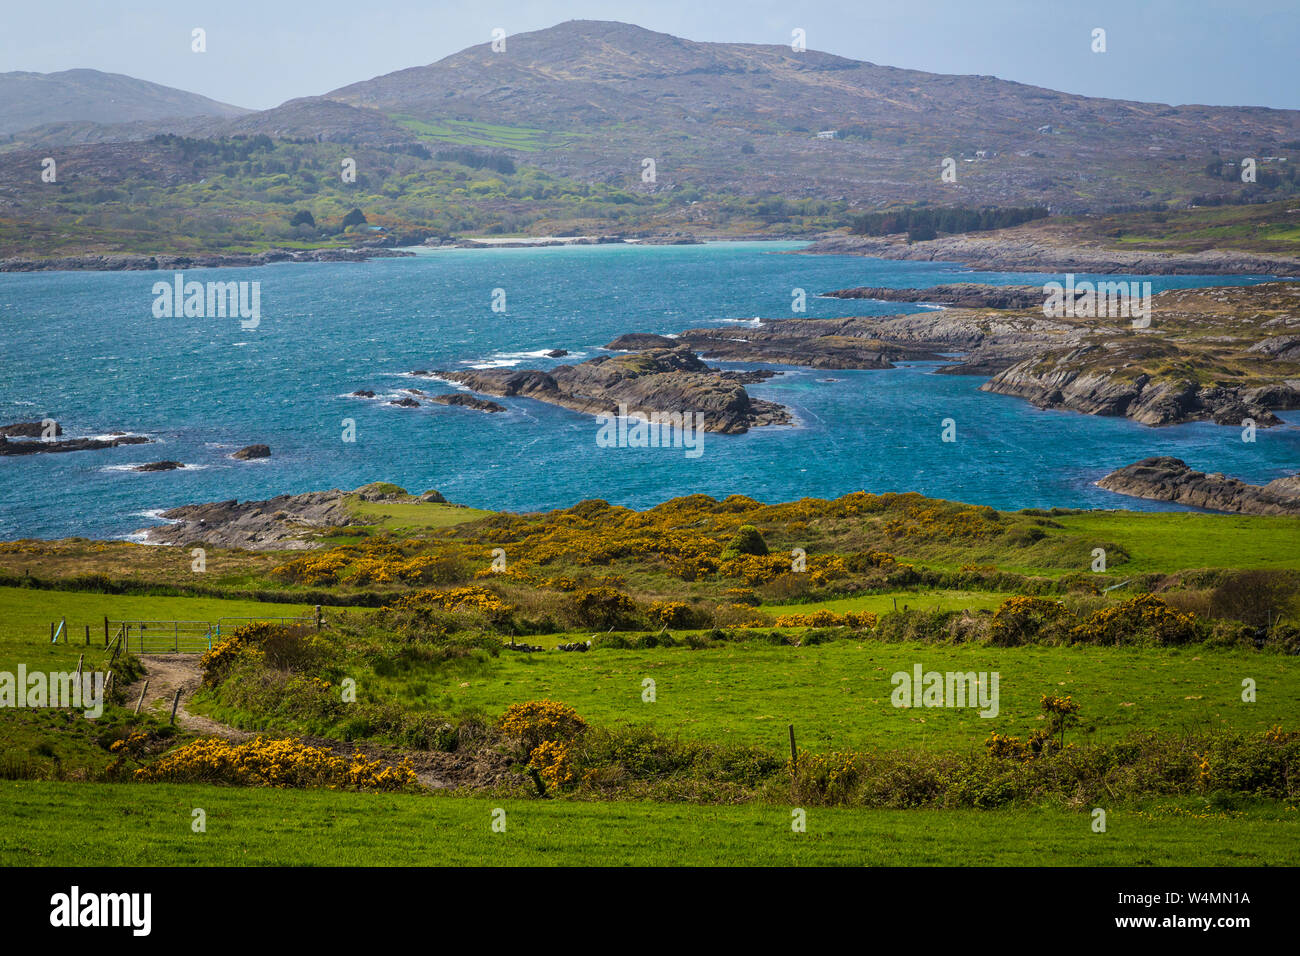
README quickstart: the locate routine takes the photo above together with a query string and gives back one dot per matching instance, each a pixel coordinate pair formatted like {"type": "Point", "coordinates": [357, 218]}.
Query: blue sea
{"type": "Point", "coordinates": [85, 349]}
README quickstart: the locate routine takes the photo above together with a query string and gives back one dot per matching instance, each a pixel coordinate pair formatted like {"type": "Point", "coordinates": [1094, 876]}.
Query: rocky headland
{"type": "Point", "coordinates": [1230, 355]}
{"type": "Point", "coordinates": [285, 522]}
{"type": "Point", "coordinates": [1172, 479]}
{"type": "Point", "coordinates": [655, 380]}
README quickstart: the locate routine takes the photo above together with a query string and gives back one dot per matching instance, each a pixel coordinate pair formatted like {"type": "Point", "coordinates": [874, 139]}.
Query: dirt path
{"type": "Point", "coordinates": [166, 673]}
{"type": "Point", "coordinates": [434, 770]}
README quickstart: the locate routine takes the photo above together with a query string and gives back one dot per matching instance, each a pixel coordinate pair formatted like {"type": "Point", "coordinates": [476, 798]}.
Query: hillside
{"type": "Point", "coordinates": [551, 137]}
{"type": "Point", "coordinates": [599, 97]}
{"type": "Point", "coordinates": [71, 96]}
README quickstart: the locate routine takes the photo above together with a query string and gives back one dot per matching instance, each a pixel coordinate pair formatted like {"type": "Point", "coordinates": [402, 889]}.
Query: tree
{"type": "Point", "coordinates": [355, 218]}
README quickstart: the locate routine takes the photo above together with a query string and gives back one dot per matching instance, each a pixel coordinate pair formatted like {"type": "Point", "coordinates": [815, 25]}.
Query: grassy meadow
{"type": "Point", "coordinates": [737, 647]}
{"type": "Point", "coordinates": [63, 823]}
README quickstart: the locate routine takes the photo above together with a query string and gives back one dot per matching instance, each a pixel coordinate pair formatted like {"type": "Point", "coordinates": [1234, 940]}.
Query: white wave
{"type": "Point", "coordinates": [753, 323]}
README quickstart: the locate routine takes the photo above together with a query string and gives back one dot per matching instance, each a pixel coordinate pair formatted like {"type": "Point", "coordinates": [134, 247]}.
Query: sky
{"type": "Point", "coordinates": [263, 52]}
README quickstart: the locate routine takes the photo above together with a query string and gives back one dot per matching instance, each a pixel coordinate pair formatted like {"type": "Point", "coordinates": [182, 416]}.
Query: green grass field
{"type": "Point", "coordinates": [838, 695]}
{"type": "Point", "coordinates": [1172, 541]}
{"type": "Point", "coordinates": [405, 516]}
{"type": "Point", "coordinates": [25, 614]}
{"type": "Point", "coordinates": [47, 824]}
{"type": "Point", "coordinates": [937, 599]}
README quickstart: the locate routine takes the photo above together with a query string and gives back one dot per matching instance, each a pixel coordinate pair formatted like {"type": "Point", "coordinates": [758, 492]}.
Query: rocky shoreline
{"type": "Point", "coordinates": [1172, 479]}
{"type": "Point", "coordinates": [168, 263]}
{"type": "Point", "coordinates": [282, 523]}
{"type": "Point", "coordinates": [1020, 254]}
{"type": "Point", "coordinates": [1249, 335]}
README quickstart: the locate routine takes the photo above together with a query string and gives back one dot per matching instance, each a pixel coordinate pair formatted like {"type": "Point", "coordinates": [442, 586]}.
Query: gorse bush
{"type": "Point", "coordinates": [274, 763]}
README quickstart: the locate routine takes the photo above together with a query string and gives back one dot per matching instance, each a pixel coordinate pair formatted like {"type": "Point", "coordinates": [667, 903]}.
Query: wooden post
{"type": "Point", "coordinates": [794, 754]}
{"type": "Point", "coordinates": [51, 632]}
{"type": "Point", "coordinates": [176, 703]}
{"type": "Point", "coordinates": [108, 684]}
{"type": "Point", "coordinates": [318, 617]}
{"type": "Point", "coordinates": [106, 630]}
{"type": "Point", "coordinates": [87, 635]}
{"type": "Point", "coordinates": [143, 690]}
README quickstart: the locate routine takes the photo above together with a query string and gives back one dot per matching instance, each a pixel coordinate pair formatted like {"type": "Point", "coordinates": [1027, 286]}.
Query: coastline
{"type": "Point", "coordinates": [1019, 254]}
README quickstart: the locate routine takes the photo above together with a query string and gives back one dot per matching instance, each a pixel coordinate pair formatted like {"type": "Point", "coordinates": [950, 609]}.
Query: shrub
{"type": "Point", "coordinates": [274, 763]}
{"type": "Point", "coordinates": [536, 721]}
{"type": "Point", "coordinates": [748, 540]}
{"type": "Point", "coordinates": [1025, 620]}
{"type": "Point", "coordinates": [601, 608]}
{"type": "Point", "coordinates": [677, 614]}
{"type": "Point", "coordinates": [1145, 619]}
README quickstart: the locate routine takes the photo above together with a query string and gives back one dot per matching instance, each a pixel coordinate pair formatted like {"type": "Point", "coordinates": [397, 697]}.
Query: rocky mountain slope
{"type": "Point", "coordinates": [743, 117]}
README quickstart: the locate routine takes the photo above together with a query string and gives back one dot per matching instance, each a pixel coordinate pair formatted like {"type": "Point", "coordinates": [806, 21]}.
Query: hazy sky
{"type": "Point", "coordinates": [1227, 52]}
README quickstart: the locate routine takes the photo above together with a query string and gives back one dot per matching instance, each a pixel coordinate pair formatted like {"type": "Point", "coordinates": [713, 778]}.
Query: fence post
{"type": "Point", "coordinates": [106, 630]}
{"type": "Point", "coordinates": [175, 703]}
{"type": "Point", "coordinates": [51, 632]}
{"type": "Point", "coordinates": [794, 754]}
{"type": "Point", "coordinates": [143, 690]}
{"type": "Point", "coordinates": [318, 617]}
{"type": "Point", "coordinates": [87, 635]}
{"type": "Point", "coordinates": [176, 636]}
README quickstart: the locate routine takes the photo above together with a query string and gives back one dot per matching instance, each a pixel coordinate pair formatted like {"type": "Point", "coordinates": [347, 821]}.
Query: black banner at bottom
{"type": "Point", "coordinates": [342, 905]}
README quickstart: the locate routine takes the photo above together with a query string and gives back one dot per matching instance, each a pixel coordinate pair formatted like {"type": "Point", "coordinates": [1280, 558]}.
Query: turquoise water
{"type": "Point", "coordinates": [85, 348]}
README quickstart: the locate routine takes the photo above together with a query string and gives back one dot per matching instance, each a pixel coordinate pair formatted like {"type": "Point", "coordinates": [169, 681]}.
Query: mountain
{"type": "Point", "coordinates": [37, 99]}
{"type": "Point", "coordinates": [593, 99]}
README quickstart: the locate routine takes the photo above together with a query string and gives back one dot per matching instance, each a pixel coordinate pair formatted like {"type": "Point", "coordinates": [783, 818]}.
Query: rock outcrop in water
{"type": "Point", "coordinates": [655, 380]}
{"type": "Point", "coordinates": [467, 401]}
{"type": "Point", "coordinates": [1171, 479]}
{"type": "Point", "coordinates": [30, 430]}
{"type": "Point", "coordinates": [962, 295]}
{"type": "Point", "coordinates": [250, 452]}
{"type": "Point", "coordinates": [39, 447]}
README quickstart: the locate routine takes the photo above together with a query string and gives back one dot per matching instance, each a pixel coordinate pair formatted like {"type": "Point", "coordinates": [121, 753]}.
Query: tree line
{"type": "Point", "coordinates": [925, 223]}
